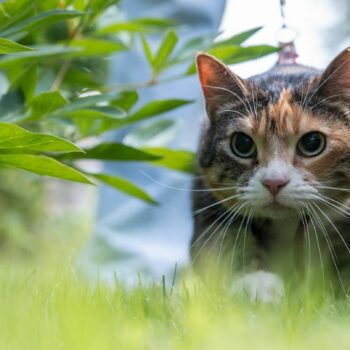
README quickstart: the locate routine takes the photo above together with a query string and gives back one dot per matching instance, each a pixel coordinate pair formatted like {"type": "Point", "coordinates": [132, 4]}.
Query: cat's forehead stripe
{"type": "Point", "coordinates": [280, 118]}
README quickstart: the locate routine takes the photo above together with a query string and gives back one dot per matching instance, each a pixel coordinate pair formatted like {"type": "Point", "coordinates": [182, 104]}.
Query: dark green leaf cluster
{"type": "Point", "coordinates": [54, 93]}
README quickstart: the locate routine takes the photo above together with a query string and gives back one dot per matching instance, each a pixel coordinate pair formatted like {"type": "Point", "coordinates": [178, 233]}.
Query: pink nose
{"type": "Point", "coordinates": [275, 185]}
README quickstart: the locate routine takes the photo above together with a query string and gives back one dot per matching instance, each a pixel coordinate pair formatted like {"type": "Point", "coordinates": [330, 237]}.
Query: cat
{"type": "Point", "coordinates": [273, 172]}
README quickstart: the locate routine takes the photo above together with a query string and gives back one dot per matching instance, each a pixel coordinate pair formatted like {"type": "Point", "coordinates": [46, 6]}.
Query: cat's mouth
{"type": "Point", "coordinates": [275, 205]}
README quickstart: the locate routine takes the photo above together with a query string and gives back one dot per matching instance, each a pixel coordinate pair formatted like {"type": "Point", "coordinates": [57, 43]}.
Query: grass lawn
{"type": "Point", "coordinates": [48, 307]}
{"type": "Point", "coordinates": [44, 305]}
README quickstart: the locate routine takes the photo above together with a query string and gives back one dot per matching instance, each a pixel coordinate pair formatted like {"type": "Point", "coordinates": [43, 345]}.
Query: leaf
{"type": "Point", "coordinates": [94, 121]}
{"type": "Point", "coordinates": [140, 25]}
{"type": "Point", "coordinates": [153, 109]}
{"type": "Point", "coordinates": [237, 54]}
{"type": "Point", "coordinates": [192, 46]}
{"type": "Point", "coordinates": [35, 22]}
{"type": "Point", "coordinates": [41, 53]}
{"type": "Point", "coordinates": [125, 186]}
{"type": "Point", "coordinates": [89, 101]}
{"type": "Point", "coordinates": [11, 105]}
{"type": "Point", "coordinates": [147, 50]}
{"type": "Point", "coordinates": [14, 138]}
{"type": "Point", "coordinates": [154, 134]}
{"type": "Point", "coordinates": [45, 103]}
{"type": "Point", "coordinates": [126, 100]}
{"type": "Point", "coordinates": [13, 11]}
{"type": "Point", "coordinates": [231, 56]}
{"type": "Point", "coordinates": [238, 39]}
{"type": "Point", "coordinates": [115, 152]}
{"type": "Point", "coordinates": [28, 83]}
{"type": "Point", "coordinates": [173, 159]}
{"type": "Point", "coordinates": [96, 47]}
{"type": "Point", "coordinates": [165, 49]}
{"type": "Point", "coordinates": [43, 165]}
{"type": "Point", "coordinates": [9, 46]}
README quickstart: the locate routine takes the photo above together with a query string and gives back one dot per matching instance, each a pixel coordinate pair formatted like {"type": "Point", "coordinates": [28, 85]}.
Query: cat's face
{"type": "Point", "coordinates": [276, 143]}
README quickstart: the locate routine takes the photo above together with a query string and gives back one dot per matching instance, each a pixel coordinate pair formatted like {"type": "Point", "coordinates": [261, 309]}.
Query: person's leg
{"type": "Point", "coordinates": [132, 238]}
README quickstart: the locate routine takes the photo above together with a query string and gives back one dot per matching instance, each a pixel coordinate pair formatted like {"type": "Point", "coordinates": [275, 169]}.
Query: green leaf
{"type": "Point", "coordinates": [11, 105]}
{"type": "Point", "coordinates": [114, 152]}
{"type": "Point", "coordinates": [238, 39]}
{"type": "Point", "coordinates": [14, 11]}
{"type": "Point", "coordinates": [147, 50]}
{"type": "Point", "coordinates": [192, 46]}
{"type": "Point", "coordinates": [153, 109]}
{"type": "Point", "coordinates": [41, 53]}
{"type": "Point", "coordinates": [14, 138]}
{"type": "Point", "coordinates": [126, 100]}
{"type": "Point", "coordinates": [173, 159]}
{"type": "Point", "coordinates": [231, 55]}
{"type": "Point", "coordinates": [28, 83]}
{"type": "Point", "coordinates": [45, 103]}
{"type": "Point", "coordinates": [96, 47]}
{"type": "Point", "coordinates": [165, 49]}
{"type": "Point", "coordinates": [125, 186]}
{"type": "Point", "coordinates": [43, 165]}
{"type": "Point", "coordinates": [89, 101]}
{"type": "Point", "coordinates": [237, 54]}
{"type": "Point", "coordinates": [9, 46]}
{"type": "Point", "coordinates": [141, 25]}
{"type": "Point", "coordinates": [35, 22]}
{"type": "Point", "coordinates": [159, 132]}
{"type": "Point", "coordinates": [94, 121]}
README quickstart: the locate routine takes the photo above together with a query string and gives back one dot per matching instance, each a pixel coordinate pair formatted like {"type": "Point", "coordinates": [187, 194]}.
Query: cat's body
{"type": "Point", "coordinates": [273, 174]}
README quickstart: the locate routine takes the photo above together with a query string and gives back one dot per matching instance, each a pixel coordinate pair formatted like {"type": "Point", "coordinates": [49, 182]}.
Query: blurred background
{"type": "Point", "coordinates": [51, 217]}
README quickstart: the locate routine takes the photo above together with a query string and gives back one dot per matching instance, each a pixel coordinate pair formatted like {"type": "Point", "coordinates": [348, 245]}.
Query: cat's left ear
{"type": "Point", "coordinates": [335, 80]}
{"type": "Point", "coordinates": [219, 84]}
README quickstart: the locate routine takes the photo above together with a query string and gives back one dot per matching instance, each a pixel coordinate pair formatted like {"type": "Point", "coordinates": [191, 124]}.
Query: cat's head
{"type": "Point", "coordinates": [279, 141]}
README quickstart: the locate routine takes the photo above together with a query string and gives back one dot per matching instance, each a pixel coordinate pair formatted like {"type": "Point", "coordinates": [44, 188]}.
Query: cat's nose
{"type": "Point", "coordinates": [275, 185]}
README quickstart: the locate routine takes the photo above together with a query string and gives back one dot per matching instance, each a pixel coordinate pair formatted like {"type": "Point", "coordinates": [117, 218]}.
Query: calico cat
{"type": "Point", "coordinates": [273, 174]}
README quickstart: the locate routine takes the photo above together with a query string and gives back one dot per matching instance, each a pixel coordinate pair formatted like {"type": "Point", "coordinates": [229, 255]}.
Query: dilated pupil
{"type": "Point", "coordinates": [244, 144]}
{"type": "Point", "coordinates": [311, 142]}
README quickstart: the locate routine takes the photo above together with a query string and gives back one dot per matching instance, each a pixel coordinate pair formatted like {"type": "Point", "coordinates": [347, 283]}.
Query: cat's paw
{"type": "Point", "coordinates": [260, 286]}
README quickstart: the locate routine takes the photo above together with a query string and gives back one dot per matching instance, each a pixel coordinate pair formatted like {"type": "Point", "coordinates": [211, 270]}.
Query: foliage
{"type": "Point", "coordinates": [54, 61]}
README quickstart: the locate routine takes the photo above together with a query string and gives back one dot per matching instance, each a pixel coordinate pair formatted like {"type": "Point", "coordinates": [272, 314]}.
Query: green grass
{"type": "Point", "coordinates": [44, 304]}
{"type": "Point", "coordinates": [49, 307]}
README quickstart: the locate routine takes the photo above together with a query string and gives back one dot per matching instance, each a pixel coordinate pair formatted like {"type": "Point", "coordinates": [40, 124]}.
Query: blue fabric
{"type": "Point", "coordinates": [132, 238]}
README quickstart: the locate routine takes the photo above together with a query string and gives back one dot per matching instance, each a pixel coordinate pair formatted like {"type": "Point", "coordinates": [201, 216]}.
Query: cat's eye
{"type": "Point", "coordinates": [243, 145]}
{"type": "Point", "coordinates": [311, 144]}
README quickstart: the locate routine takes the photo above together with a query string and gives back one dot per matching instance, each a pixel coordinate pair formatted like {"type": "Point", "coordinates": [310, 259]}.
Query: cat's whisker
{"type": "Point", "coordinates": [233, 216]}
{"type": "Point", "coordinates": [237, 240]}
{"type": "Point", "coordinates": [340, 204]}
{"type": "Point", "coordinates": [187, 189]}
{"type": "Point", "coordinates": [324, 100]}
{"type": "Point", "coordinates": [317, 242]}
{"type": "Point", "coordinates": [333, 188]}
{"type": "Point", "coordinates": [196, 212]}
{"type": "Point", "coordinates": [340, 211]}
{"type": "Point", "coordinates": [308, 243]}
{"type": "Point", "coordinates": [324, 231]}
{"type": "Point", "coordinates": [232, 111]}
{"type": "Point", "coordinates": [303, 102]}
{"type": "Point", "coordinates": [331, 249]}
{"type": "Point", "coordinates": [249, 110]}
{"type": "Point", "coordinates": [227, 213]}
{"type": "Point", "coordinates": [335, 228]}
{"type": "Point", "coordinates": [197, 241]}
{"type": "Point", "coordinates": [250, 217]}
{"type": "Point", "coordinates": [327, 79]}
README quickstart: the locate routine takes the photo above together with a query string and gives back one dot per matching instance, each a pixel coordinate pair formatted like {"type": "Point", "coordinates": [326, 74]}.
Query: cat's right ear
{"type": "Point", "coordinates": [219, 84]}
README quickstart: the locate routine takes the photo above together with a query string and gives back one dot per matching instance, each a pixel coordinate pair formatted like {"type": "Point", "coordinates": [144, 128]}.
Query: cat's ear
{"type": "Point", "coordinates": [335, 80]}
{"type": "Point", "coordinates": [219, 84]}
